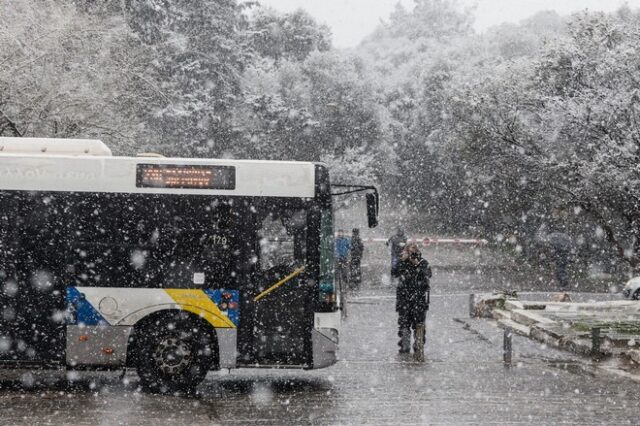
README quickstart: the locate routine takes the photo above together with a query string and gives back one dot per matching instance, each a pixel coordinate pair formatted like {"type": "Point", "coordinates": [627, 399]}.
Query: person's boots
{"type": "Point", "coordinates": [405, 340]}
{"type": "Point", "coordinates": [418, 346]}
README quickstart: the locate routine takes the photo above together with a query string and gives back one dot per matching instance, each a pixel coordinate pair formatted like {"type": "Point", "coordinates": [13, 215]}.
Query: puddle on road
{"type": "Point", "coordinates": [573, 366]}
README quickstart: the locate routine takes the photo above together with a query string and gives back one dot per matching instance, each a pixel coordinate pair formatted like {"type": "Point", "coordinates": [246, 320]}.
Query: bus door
{"type": "Point", "coordinates": [280, 297]}
{"type": "Point", "coordinates": [32, 296]}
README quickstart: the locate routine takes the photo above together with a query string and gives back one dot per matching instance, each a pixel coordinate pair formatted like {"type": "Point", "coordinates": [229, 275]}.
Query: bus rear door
{"type": "Point", "coordinates": [32, 296]}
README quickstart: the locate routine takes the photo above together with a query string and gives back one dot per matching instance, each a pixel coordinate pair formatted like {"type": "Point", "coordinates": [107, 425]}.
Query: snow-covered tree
{"type": "Point", "coordinates": [199, 51]}
{"type": "Point", "coordinates": [64, 74]}
{"type": "Point", "coordinates": [561, 129]}
{"type": "Point", "coordinates": [324, 108]}
{"type": "Point", "coordinates": [290, 36]}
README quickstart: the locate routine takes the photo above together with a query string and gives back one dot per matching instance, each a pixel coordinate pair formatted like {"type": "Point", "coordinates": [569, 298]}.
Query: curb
{"type": "Point", "coordinates": [559, 331]}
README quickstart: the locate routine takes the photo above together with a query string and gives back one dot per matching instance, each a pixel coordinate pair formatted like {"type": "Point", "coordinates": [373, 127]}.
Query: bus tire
{"type": "Point", "coordinates": [174, 354]}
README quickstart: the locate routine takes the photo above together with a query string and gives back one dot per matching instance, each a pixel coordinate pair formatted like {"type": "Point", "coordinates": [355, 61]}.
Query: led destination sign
{"type": "Point", "coordinates": [185, 176]}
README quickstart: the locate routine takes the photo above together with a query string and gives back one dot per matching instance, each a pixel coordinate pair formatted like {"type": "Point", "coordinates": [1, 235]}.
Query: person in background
{"type": "Point", "coordinates": [343, 249]}
{"type": "Point", "coordinates": [397, 242]}
{"type": "Point", "coordinates": [561, 246]}
{"type": "Point", "coordinates": [357, 250]}
{"type": "Point", "coordinates": [412, 295]}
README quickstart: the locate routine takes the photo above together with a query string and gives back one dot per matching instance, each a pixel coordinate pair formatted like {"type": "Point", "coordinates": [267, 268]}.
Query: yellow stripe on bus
{"type": "Point", "coordinates": [197, 302]}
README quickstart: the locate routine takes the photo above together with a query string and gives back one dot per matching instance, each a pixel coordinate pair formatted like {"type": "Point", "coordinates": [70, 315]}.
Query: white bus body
{"type": "Point", "coordinates": [102, 257]}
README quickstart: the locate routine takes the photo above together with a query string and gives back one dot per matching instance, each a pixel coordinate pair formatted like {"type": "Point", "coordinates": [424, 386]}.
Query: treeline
{"type": "Point", "coordinates": [523, 132]}
{"type": "Point", "coordinates": [189, 78]}
{"type": "Point", "coordinates": [515, 134]}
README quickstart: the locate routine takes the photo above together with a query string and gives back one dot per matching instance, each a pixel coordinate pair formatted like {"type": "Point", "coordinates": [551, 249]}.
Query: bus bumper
{"type": "Point", "coordinates": [325, 338]}
{"type": "Point", "coordinates": [325, 350]}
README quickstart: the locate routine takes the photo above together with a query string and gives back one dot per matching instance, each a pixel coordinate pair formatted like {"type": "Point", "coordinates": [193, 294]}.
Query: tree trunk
{"type": "Point", "coordinates": [634, 259]}
{"type": "Point", "coordinates": [7, 125]}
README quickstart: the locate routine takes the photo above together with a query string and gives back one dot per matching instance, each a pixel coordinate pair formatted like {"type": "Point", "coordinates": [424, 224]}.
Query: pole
{"type": "Point", "coordinates": [507, 346]}
{"type": "Point", "coordinates": [472, 305]}
{"type": "Point", "coordinates": [419, 352]}
{"type": "Point", "coordinates": [595, 342]}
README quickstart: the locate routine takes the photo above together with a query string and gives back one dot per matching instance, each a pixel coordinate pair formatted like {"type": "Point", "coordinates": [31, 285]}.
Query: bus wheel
{"type": "Point", "coordinates": [174, 355]}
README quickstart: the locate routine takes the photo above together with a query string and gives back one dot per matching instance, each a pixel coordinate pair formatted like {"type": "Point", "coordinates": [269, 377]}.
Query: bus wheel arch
{"type": "Point", "coordinates": [190, 341]}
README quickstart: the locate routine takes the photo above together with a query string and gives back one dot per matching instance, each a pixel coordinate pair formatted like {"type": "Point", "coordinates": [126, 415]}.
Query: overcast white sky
{"type": "Point", "coordinates": [352, 20]}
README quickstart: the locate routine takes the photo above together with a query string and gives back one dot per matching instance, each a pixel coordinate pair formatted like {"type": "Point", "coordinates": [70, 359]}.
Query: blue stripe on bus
{"type": "Point", "coordinates": [80, 311]}
{"type": "Point", "coordinates": [228, 301]}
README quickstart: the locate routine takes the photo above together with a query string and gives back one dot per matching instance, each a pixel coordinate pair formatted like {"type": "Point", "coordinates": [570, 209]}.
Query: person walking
{"type": "Point", "coordinates": [412, 296]}
{"type": "Point", "coordinates": [357, 250]}
{"type": "Point", "coordinates": [397, 242]}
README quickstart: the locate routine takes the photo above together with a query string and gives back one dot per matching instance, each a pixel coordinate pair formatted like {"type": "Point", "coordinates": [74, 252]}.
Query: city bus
{"type": "Point", "coordinates": [169, 266]}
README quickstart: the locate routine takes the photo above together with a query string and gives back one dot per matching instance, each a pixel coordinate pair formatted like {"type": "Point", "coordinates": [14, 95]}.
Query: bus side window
{"type": "Point", "coordinates": [276, 246]}
{"type": "Point", "coordinates": [203, 246]}
{"type": "Point", "coordinates": [283, 239]}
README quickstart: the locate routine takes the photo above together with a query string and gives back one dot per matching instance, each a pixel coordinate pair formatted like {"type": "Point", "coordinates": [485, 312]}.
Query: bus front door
{"type": "Point", "coordinates": [282, 321]}
{"type": "Point", "coordinates": [278, 298]}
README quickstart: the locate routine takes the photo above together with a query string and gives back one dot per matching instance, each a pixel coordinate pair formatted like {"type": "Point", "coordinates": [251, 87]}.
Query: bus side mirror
{"type": "Point", "coordinates": [372, 210]}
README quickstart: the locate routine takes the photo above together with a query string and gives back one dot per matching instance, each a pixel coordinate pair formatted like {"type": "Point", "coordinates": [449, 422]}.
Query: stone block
{"type": "Point", "coordinates": [633, 355]}
{"type": "Point", "coordinates": [561, 298]}
{"type": "Point", "coordinates": [555, 331]}
{"type": "Point", "coordinates": [484, 305]}
{"type": "Point", "coordinates": [529, 318]}
{"type": "Point", "coordinates": [499, 314]}
{"type": "Point", "coordinates": [510, 305]}
{"type": "Point", "coordinates": [520, 329]}
{"type": "Point", "coordinates": [533, 306]}
{"type": "Point", "coordinates": [541, 335]}
{"type": "Point", "coordinates": [577, 346]}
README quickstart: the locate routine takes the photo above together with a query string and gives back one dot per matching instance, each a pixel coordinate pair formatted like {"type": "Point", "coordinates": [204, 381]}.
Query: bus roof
{"type": "Point", "coordinates": [47, 172]}
{"type": "Point", "coordinates": [49, 146]}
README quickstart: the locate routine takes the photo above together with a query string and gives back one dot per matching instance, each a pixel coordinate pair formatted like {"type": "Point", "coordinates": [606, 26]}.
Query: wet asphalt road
{"type": "Point", "coordinates": [463, 380]}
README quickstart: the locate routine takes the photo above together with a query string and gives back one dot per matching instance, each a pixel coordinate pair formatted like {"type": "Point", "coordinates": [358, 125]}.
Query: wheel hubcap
{"type": "Point", "coordinates": [172, 355]}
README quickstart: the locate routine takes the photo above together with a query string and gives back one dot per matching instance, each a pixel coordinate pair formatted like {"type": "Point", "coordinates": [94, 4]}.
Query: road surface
{"type": "Point", "coordinates": [463, 380]}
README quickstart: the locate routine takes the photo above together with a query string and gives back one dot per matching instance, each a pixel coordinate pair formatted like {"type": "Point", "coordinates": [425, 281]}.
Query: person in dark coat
{"type": "Point", "coordinates": [357, 250]}
{"type": "Point", "coordinates": [397, 242]}
{"type": "Point", "coordinates": [561, 245]}
{"type": "Point", "coordinates": [412, 294]}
